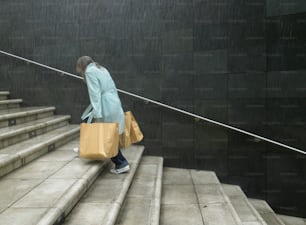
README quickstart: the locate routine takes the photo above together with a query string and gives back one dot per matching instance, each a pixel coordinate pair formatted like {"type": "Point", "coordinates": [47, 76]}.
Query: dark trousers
{"type": "Point", "coordinates": [119, 160]}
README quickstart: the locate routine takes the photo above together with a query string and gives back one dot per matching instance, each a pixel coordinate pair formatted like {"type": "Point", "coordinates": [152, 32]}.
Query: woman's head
{"type": "Point", "coordinates": [82, 63]}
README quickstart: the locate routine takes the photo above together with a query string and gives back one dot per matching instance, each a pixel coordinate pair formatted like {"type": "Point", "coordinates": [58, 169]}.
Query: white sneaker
{"type": "Point", "coordinates": [120, 170]}
{"type": "Point", "coordinates": [76, 150]}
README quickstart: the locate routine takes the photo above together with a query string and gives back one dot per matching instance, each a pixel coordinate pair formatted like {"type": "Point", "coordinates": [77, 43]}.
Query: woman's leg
{"type": "Point", "coordinates": [119, 160]}
{"type": "Point", "coordinates": [122, 165]}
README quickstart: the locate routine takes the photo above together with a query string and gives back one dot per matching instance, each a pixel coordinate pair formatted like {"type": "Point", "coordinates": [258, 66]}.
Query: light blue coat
{"type": "Point", "coordinates": [105, 104]}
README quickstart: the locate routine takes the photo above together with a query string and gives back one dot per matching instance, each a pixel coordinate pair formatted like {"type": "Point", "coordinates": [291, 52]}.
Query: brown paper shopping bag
{"type": "Point", "coordinates": [99, 141]}
{"type": "Point", "coordinates": [132, 133]}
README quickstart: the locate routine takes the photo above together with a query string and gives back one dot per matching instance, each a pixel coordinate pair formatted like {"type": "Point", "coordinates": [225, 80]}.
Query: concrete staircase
{"type": "Point", "coordinates": [42, 181]}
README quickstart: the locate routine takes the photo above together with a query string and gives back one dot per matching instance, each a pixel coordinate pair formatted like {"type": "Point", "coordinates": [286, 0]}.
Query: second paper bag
{"type": "Point", "coordinates": [132, 133]}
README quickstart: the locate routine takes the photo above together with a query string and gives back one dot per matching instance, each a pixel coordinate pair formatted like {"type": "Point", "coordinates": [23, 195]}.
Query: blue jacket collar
{"type": "Point", "coordinates": [91, 64]}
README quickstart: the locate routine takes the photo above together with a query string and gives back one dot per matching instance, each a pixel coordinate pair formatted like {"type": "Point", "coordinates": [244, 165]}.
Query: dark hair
{"type": "Point", "coordinates": [84, 61]}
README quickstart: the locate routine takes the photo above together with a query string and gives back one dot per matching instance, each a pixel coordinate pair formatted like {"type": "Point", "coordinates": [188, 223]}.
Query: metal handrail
{"type": "Point", "coordinates": [198, 117]}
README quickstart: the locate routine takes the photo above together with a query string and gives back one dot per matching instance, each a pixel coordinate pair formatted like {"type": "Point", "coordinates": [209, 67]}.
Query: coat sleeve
{"type": "Point", "coordinates": [94, 94]}
{"type": "Point", "coordinates": [86, 112]}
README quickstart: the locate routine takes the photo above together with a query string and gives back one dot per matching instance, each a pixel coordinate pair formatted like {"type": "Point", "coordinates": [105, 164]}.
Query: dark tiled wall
{"type": "Point", "coordinates": [276, 7]}
{"type": "Point", "coordinates": [237, 62]}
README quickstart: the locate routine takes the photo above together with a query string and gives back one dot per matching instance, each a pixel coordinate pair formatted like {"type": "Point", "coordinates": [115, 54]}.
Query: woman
{"type": "Point", "coordinates": [105, 104]}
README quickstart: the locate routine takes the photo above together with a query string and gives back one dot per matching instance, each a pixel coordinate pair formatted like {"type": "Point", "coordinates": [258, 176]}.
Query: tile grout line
{"type": "Point", "coordinates": [196, 193]}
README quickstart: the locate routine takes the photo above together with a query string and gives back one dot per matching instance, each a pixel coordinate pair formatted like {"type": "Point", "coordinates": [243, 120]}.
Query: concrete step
{"type": "Point", "coordinates": [245, 210]}
{"type": "Point", "coordinates": [10, 117]}
{"type": "Point", "coordinates": [17, 155]}
{"type": "Point", "coordinates": [195, 197]}
{"type": "Point", "coordinates": [142, 203]}
{"type": "Point", "coordinates": [290, 220]}
{"type": "Point", "coordinates": [4, 95]}
{"type": "Point", "coordinates": [102, 203]}
{"type": "Point", "coordinates": [266, 212]}
{"type": "Point", "coordinates": [14, 134]}
{"type": "Point", "coordinates": [10, 103]}
{"type": "Point", "coordinates": [44, 191]}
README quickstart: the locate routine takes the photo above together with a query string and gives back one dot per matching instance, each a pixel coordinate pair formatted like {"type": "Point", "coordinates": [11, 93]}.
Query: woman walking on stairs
{"type": "Point", "coordinates": [105, 104]}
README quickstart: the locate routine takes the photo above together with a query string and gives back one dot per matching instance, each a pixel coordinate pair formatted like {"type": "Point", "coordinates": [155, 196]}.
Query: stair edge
{"type": "Point", "coordinates": [25, 113]}
{"type": "Point", "coordinates": [20, 159]}
{"type": "Point", "coordinates": [11, 101]}
{"type": "Point", "coordinates": [233, 210]}
{"type": "Point", "coordinates": [155, 206]}
{"type": "Point", "coordinates": [256, 213]}
{"type": "Point", "coordinates": [252, 200]}
{"type": "Point", "coordinates": [281, 217]}
{"type": "Point", "coordinates": [61, 209]}
{"type": "Point", "coordinates": [36, 126]}
{"type": "Point", "coordinates": [113, 213]}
